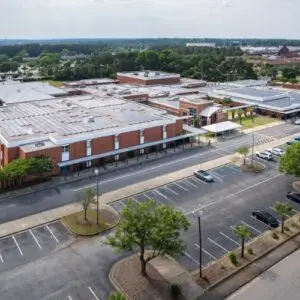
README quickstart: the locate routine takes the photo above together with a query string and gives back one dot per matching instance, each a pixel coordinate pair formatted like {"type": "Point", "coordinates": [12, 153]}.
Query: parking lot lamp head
{"type": "Point", "coordinates": [96, 172]}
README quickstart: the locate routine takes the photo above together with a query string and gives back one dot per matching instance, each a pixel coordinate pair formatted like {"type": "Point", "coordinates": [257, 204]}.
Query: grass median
{"type": "Point", "coordinates": [257, 121]}
{"type": "Point", "coordinates": [77, 223]}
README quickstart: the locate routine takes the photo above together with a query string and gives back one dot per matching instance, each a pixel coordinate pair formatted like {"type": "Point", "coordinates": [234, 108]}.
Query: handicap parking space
{"type": "Point", "coordinates": [31, 244]}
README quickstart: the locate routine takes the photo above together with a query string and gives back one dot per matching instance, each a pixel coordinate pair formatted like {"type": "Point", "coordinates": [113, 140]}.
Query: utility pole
{"type": "Point", "coordinates": [252, 157]}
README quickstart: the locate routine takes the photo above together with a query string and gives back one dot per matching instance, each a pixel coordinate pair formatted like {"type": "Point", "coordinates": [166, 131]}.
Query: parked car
{"type": "Point", "coordinates": [266, 218]}
{"type": "Point", "coordinates": [291, 142]}
{"type": "Point", "coordinates": [264, 155]}
{"type": "Point", "coordinates": [276, 151]}
{"type": "Point", "coordinates": [203, 175]}
{"type": "Point", "coordinates": [297, 138]}
{"type": "Point", "coordinates": [295, 197]}
{"type": "Point", "coordinates": [297, 122]}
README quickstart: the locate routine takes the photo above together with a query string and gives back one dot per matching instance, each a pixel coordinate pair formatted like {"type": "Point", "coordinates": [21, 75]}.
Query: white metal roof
{"type": "Point", "coordinates": [221, 127]}
{"type": "Point", "coordinates": [209, 111]}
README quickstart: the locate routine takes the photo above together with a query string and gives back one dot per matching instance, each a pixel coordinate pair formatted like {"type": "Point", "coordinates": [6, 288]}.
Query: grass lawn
{"type": "Point", "coordinates": [55, 83]}
{"type": "Point", "coordinates": [258, 121]}
{"type": "Point", "coordinates": [78, 225]}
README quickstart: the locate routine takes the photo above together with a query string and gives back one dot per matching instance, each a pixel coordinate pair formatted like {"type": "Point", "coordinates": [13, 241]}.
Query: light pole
{"type": "Point", "coordinates": [198, 214]}
{"type": "Point", "coordinates": [252, 156]}
{"type": "Point", "coordinates": [97, 181]}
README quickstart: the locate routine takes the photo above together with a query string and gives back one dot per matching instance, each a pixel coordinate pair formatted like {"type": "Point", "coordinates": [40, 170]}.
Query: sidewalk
{"type": "Point", "coordinates": [54, 214]}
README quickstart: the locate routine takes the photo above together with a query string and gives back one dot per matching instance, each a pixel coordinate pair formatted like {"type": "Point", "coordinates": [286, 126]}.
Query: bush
{"type": "Point", "coordinates": [250, 251]}
{"type": "Point", "coordinates": [275, 236]}
{"type": "Point", "coordinates": [286, 228]}
{"type": "Point", "coordinates": [233, 259]}
{"type": "Point", "coordinates": [175, 290]}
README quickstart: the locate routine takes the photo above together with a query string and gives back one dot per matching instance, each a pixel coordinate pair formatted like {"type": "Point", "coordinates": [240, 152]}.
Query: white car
{"type": "Point", "coordinates": [276, 151]}
{"type": "Point", "coordinates": [265, 155]}
{"type": "Point", "coordinates": [297, 122]}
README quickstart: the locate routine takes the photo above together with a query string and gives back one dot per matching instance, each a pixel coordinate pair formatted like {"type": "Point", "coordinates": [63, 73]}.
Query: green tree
{"type": "Point", "coordinates": [290, 161]}
{"type": "Point", "coordinates": [282, 209]}
{"type": "Point", "coordinates": [38, 166]}
{"type": "Point", "coordinates": [289, 73]}
{"type": "Point", "coordinates": [242, 232]}
{"type": "Point", "coordinates": [86, 200]}
{"type": "Point", "coordinates": [240, 113]}
{"type": "Point", "coordinates": [149, 226]}
{"type": "Point", "coordinates": [244, 151]}
{"type": "Point", "coordinates": [117, 296]}
{"type": "Point", "coordinates": [250, 110]}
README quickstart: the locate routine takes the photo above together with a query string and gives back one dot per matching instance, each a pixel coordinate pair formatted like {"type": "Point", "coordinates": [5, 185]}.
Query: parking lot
{"type": "Point", "coordinates": [227, 202]}
{"type": "Point", "coordinates": [31, 244]}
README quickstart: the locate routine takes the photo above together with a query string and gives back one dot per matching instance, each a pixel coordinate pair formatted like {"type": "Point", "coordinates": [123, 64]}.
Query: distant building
{"type": "Point", "coordinates": [209, 45]}
{"type": "Point", "coordinates": [287, 52]}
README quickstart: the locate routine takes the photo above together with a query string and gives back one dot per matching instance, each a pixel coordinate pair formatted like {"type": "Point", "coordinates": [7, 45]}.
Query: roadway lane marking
{"type": "Point", "coordinates": [1, 258]}
{"type": "Point", "coordinates": [188, 183]}
{"type": "Point", "coordinates": [34, 237]}
{"type": "Point", "coordinates": [160, 194]}
{"type": "Point", "coordinates": [251, 227]}
{"type": "Point", "coordinates": [191, 258]}
{"type": "Point", "coordinates": [93, 293]}
{"type": "Point", "coordinates": [181, 187]}
{"type": "Point", "coordinates": [236, 193]}
{"type": "Point", "coordinates": [170, 190]}
{"type": "Point", "coordinates": [228, 237]}
{"type": "Point", "coordinates": [13, 237]}
{"type": "Point", "coordinates": [51, 232]}
{"type": "Point", "coordinates": [220, 246]}
{"type": "Point", "coordinates": [206, 252]}
{"type": "Point", "coordinates": [162, 165]}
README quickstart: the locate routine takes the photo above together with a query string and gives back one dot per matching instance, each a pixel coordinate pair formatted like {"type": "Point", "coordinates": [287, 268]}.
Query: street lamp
{"type": "Point", "coordinates": [97, 181]}
{"type": "Point", "coordinates": [197, 214]}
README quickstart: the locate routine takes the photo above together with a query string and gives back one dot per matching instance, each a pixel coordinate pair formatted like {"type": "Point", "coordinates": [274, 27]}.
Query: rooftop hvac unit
{"type": "Point", "coordinates": [157, 73]}
{"type": "Point", "coordinates": [40, 144]}
{"type": "Point", "coordinates": [91, 120]}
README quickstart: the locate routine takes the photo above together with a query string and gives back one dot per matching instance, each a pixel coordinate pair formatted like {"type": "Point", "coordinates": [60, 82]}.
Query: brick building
{"type": "Point", "coordinates": [78, 132]}
{"type": "Point", "coordinates": [148, 78]}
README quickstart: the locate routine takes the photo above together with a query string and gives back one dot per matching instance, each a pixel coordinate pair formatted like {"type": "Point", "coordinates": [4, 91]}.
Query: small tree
{"type": "Point", "coordinates": [283, 210]}
{"type": "Point", "coordinates": [244, 151]}
{"type": "Point", "coordinates": [250, 110]}
{"type": "Point", "coordinates": [86, 200]}
{"type": "Point", "coordinates": [242, 232]}
{"type": "Point", "coordinates": [39, 166]}
{"type": "Point", "coordinates": [117, 296]}
{"type": "Point", "coordinates": [149, 226]}
{"type": "Point", "coordinates": [240, 113]}
{"type": "Point", "coordinates": [290, 161]}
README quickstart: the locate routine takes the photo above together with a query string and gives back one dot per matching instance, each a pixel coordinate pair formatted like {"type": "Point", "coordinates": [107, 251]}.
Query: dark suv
{"type": "Point", "coordinates": [266, 218]}
{"type": "Point", "coordinates": [295, 197]}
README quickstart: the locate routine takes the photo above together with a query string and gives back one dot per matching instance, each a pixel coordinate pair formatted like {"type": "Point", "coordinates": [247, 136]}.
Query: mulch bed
{"type": "Point", "coordinates": [127, 275]}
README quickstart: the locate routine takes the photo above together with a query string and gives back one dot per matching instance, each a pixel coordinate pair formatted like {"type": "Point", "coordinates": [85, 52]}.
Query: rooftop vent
{"type": "Point", "coordinates": [30, 130]}
{"type": "Point", "coordinates": [157, 73]}
{"type": "Point", "coordinates": [40, 144]}
{"type": "Point", "coordinates": [91, 120]}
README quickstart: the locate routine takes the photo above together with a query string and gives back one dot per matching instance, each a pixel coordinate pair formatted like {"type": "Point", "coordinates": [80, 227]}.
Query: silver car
{"type": "Point", "coordinates": [203, 175]}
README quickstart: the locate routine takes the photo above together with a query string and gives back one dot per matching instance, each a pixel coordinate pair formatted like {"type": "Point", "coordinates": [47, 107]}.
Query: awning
{"type": "Point", "coordinates": [209, 111]}
{"type": "Point", "coordinates": [193, 129]}
{"type": "Point", "coordinates": [221, 127]}
{"type": "Point", "coordinates": [124, 150]}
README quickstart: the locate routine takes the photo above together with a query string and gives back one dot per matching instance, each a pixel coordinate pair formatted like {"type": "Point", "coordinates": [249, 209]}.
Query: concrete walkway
{"type": "Point", "coordinates": [51, 215]}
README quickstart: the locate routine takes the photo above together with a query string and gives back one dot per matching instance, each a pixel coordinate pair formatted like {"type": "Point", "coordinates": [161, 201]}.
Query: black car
{"type": "Point", "coordinates": [266, 218]}
{"type": "Point", "coordinates": [295, 197]}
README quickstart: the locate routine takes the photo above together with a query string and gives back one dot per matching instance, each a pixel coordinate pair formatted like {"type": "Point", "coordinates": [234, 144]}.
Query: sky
{"type": "Point", "coordinates": [149, 18]}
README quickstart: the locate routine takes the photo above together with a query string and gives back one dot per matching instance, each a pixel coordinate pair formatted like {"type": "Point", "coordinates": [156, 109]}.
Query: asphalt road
{"type": "Point", "coordinates": [282, 281]}
{"type": "Point", "coordinates": [22, 206]}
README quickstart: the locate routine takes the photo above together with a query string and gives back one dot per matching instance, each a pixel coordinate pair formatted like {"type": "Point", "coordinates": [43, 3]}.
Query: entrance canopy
{"type": "Point", "coordinates": [221, 127]}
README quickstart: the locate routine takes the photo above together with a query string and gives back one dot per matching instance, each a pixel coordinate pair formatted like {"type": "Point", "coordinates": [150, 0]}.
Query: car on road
{"type": "Point", "coordinates": [264, 155]}
{"type": "Point", "coordinates": [203, 175]}
{"type": "Point", "coordinates": [295, 197]}
{"type": "Point", "coordinates": [276, 151]}
{"type": "Point", "coordinates": [266, 218]}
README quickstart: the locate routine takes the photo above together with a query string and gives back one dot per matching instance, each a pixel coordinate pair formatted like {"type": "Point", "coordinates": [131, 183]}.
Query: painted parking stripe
{"type": "Point", "coordinates": [149, 198]}
{"type": "Point", "coordinates": [160, 194]}
{"type": "Point", "coordinates": [261, 222]}
{"type": "Point", "coordinates": [191, 258]}
{"type": "Point", "coordinates": [229, 238]}
{"type": "Point", "coordinates": [13, 237]}
{"type": "Point", "coordinates": [176, 183]}
{"type": "Point", "coordinates": [1, 258]}
{"type": "Point", "coordinates": [189, 183]}
{"type": "Point", "coordinates": [217, 176]}
{"type": "Point", "coordinates": [35, 239]}
{"type": "Point", "coordinates": [206, 252]}
{"type": "Point", "coordinates": [69, 298]}
{"type": "Point", "coordinates": [220, 246]}
{"type": "Point", "coordinates": [93, 293]}
{"type": "Point", "coordinates": [53, 235]}
{"type": "Point", "coordinates": [200, 180]}
{"type": "Point", "coordinates": [272, 208]}
{"type": "Point", "coordinates": [195, 180]}
{"type": "Point", "coordinates": [170, 190]}
{"type": "Point", "coordinates": [251, 227]}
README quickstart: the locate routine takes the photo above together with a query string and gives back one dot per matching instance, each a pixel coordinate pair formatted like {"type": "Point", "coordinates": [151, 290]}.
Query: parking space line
{"type": "Point", "coordinates": [93, 293]}
{"type": "Point", "coordinates": [206, 252]}
{"type": "Point", "coordinates": [134, 199]}
{"type": "Point", "coordinates": [228, 237]}
{"type": "Point", "coordinates": [51, 232]}
{"type": "Point", "coordinates": [251, 227]}
{"type": "Point", "coordinates": [171, 191]}
{"type": "Point", "coordinates": [1, 258]}
{"type": "Point", "coordinates": [181, 187]}
{"type": "Point", "coordinates": [189, 183]}
{"type": "Point", "coordinates": [191, 258]}
{"type": "Point", "coordinates": [34, 237]}
{"type": "Point", "coordinates": [160, 194]}
{"type": "Point", "coordinates": [220, 246]}
{"type": "Point", "coordinates": [149, 198]}
{"type": "Point", "coordinates": [13, 237]}
{"type": "Point", "coordinates": [69, 297]}
{"type": "Point", "coordinates": [196, 181]}
{"type": "Point", "coordinates": [260, 222]}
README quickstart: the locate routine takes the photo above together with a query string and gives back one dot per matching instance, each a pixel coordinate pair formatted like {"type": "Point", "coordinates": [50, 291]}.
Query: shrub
{"type": "Point", "coordinates": [175, 290]}
{"type": "Point", "coordinates": [250, 251]}
{"type": "Point", "coordinates": [232, 257]}
{"type": "Point", "coordinates": [286, 228]}
{"type": "Point", "coordinates": [275, 236]}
